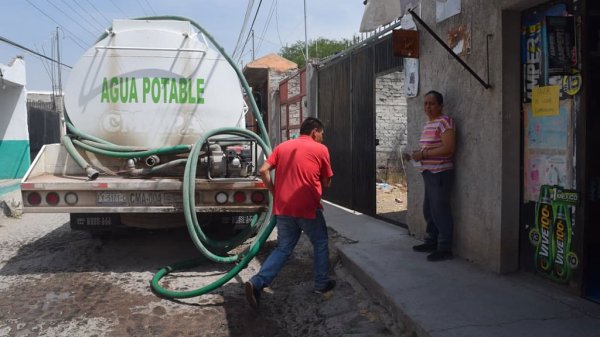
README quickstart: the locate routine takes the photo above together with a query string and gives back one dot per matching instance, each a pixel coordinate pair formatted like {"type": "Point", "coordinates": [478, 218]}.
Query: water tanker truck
{"type": "Point", "coordinates": [155, 120]}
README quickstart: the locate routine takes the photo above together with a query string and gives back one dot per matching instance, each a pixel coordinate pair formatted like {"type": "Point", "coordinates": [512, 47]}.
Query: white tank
{"type": "Point", "coordinates": [153, 83]}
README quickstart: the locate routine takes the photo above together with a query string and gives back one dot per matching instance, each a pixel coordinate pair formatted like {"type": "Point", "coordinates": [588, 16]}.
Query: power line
{"type": "Point", "coordinates": [44, 61]}
{"type": "Point", "coordinates": [277, 22]}
{"type": "Point", "coordinates": [151, 8]}
{"type": "Point", "coordinates": [72, 19]}
{"type": "Point", "coordinates": [142, 7]}
{"type": "Point", "coordinates": [100, 24]}
{"type": "Point", "coordinates": [49, 17]}
{"type": "Point", "coordinates": [3, 39]}
{"type": "Point", "coordinates": [99, 12]}
{"type": "Point", "coordinates": [119, 8]}
{"type": "Point", "coordinates": [246, 17]}
{"type": "Point", "coordinates": [267, 23]}
{"type": "Point", "coordinates": [80, 15]}
{"type": "Point", "coordinates": [251, 26]}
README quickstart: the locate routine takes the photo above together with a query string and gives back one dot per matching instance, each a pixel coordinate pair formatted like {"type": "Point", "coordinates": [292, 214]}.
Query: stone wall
{"type": "Point", "coordinates": [390, 124]}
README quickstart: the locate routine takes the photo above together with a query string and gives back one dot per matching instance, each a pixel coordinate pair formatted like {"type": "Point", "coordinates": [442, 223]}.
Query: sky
{"type": "Point", "coordinates": [33, 23]}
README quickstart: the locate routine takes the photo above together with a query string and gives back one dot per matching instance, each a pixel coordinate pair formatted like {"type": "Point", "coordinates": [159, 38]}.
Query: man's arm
{"type": "Point", "coordinates": [265, 176]}
{"type": "Point", "coordinates": [326, 182]}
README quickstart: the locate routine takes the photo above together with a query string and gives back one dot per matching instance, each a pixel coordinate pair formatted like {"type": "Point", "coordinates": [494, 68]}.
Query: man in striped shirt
{"type": "Point", "coordinates": [435, 155]}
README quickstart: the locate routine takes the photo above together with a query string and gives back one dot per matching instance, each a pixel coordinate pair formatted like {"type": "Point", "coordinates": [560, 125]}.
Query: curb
{"type": "Point", "coordinates": [380, 294]}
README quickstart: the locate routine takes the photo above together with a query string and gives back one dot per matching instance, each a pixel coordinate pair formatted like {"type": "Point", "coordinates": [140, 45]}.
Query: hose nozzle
{"type": "Point", "coordinates": [91, 173]}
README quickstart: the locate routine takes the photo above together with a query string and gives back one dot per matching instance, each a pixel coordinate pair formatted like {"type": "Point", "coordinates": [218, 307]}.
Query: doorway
{"type": "Point", "coordinates": [390, 142]}
{"type": "Point", "coordinates": [591, 87]}
{"type": "Point", "coordinates": [550, 239]}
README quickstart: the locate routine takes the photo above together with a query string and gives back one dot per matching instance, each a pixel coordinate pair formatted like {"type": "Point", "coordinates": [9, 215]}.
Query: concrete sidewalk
{"type": "Point", "coordinates": [455, 297]}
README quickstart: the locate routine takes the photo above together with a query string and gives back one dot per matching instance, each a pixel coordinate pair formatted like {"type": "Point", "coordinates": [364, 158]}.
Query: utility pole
{"type": "Point", "coordinates": [58, 67]}
{"type": "Point", "coordinates": [252, 45]}
{"type": "Point", "coordinates": [305, 34]}
{"type": "Point", "coordinates": [63, 126]}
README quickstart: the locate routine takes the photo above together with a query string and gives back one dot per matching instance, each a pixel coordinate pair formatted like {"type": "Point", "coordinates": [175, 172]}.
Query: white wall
{"type": "Point", "coordinates": [13, 99]}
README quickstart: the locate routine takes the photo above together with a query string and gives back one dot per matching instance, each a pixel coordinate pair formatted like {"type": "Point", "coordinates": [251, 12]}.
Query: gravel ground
{"type": "Point", "coordinates": [392, 201]}
{"type": "Point", "coordinates": [58, 282]}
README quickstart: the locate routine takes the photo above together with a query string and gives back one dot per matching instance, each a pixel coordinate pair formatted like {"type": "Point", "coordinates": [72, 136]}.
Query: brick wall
{"type": "Point", "coordinates": [390, 106]}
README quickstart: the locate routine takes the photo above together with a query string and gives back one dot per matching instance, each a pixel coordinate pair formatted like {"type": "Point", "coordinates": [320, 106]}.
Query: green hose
{"type": "Point", "coordinates": [198, 236]}
{"type": "Point", "coordinates": [136, 154]}
{"type": "Point", "coordinates": [189, 198]}
{"type": "Point", "coordinates": [264, 223]}
{"type": "Point", "coordinates": [242, 264]}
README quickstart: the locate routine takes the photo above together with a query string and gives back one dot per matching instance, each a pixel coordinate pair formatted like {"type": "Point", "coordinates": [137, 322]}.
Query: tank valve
{"type": "Point", "coordinates": [152, 160]}
{"type": "Point", "coordinates": [131, 163]}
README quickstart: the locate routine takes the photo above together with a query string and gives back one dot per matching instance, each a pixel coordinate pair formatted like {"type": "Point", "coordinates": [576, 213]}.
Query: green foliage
{"type": "Point", "coordinates": [317, 49]}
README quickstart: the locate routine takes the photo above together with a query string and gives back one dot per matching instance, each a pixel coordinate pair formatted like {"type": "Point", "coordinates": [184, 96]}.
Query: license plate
{"type": "Point", "coordinates": [139, 198]}
{"type": "Point", "coordinates": [145, 198]}
{"type": "Point", "coordinates": [238, 219]}
{"type": "Point", "coordinates": [111, 198]}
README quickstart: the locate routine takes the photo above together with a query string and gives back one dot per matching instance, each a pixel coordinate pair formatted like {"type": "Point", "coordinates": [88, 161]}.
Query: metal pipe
{"type": "Point", "coordinates": [156, 49]}
{"type": "Point", "coordinates": [305, 33]}
{"type": "Point", "coordinates": [440, 41]}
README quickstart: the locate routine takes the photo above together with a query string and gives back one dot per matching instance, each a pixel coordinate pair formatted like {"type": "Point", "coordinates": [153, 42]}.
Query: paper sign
{"type": "Point", "coordinates": [545, 101]}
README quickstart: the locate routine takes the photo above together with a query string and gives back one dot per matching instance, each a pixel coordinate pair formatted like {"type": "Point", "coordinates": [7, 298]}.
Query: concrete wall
{"type": "Point", "coordinates": [390, 120]}
{"type": "Point", "coordinates": [485, 199]}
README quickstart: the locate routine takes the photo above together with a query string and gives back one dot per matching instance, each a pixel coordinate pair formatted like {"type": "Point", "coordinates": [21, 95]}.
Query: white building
{"type": "Point", "coordinates": [14, 135]}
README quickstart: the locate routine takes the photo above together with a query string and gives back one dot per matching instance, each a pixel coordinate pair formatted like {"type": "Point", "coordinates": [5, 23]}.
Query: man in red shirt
{"type": "Point", "coordinates": [303, 169]}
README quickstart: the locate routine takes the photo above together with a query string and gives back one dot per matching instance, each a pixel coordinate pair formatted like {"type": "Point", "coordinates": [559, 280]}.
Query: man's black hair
{"type": "Point", "coordinates": [309, 124]}
{"type": "Point", "coordinates": [438, 97]}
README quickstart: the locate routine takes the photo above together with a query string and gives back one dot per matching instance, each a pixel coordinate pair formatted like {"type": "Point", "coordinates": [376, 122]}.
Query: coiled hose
{"type": "Point", "coordinates": [264, 222]}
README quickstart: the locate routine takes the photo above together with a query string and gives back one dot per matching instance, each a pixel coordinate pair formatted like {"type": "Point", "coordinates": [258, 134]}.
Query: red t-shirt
{"type": "Point", "coordinates": [299, 164]}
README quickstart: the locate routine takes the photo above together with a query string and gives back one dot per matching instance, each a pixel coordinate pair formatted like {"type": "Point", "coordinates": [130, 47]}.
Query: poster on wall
{"type": "Point", "coordinates": [545, 101]}
{"type": "Point", "coordinates": [548, 150]}
{"type": "Point", "coordinates": [541, 169]}
{"type": "Point", "coordinates": [570, 85]}
{"type": "Point", "coordinates": [532, 48]}
{"type": "Point", "coordinates": [552, 234]}
{"type": "Point", "coordinates": [548, 132]}
{"type": "Point", "coordinates": [459, 39]}
{"type": "Point", "coordinates": [560, 54]}
{"type": "Point", "coordinates": [531, 53]}
{"type": "Point", "coordinates": [411, 77]}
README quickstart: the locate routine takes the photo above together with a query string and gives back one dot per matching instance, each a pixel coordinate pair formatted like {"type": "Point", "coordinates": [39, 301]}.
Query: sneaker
{"type": "Point", "coordinates": [252, 295]}
{"type": "Point", "coordinates": [329, 287]}
{"type": "Point", "coordinates": [425, 247]}
{"type": "Point", "coordinates": [440, 255]}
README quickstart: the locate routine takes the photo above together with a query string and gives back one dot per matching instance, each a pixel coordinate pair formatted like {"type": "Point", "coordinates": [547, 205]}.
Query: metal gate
{"type": "Point", "coordinates": [292, 98]}
{"type": "Point", "coordinates": [44, 125]}
{"type": "Point", "coordinates": [346, 105]}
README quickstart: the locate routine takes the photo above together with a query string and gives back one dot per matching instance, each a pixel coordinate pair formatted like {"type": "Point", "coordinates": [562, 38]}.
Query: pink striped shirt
{"type": "Point", "coordinates": [431, 137]}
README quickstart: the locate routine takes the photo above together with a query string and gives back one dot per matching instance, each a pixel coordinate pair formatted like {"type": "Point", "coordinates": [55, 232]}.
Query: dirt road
{"type": "Point", "coordinates": [58, 282]}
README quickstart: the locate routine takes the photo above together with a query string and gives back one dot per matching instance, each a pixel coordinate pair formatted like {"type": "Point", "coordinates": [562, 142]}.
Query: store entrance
{"type": "Point", "coordinates": [592, 223]}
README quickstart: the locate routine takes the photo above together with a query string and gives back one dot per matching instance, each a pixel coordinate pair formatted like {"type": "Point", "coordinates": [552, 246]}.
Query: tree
{"type": "Point", "coordinates": [318, 49]}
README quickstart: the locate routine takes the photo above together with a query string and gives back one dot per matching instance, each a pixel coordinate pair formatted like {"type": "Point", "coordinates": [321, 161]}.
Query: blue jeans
{"type": "Point", "coordinates": [288, 234]}
{"type": "Point", "coordinates": [436, 208]}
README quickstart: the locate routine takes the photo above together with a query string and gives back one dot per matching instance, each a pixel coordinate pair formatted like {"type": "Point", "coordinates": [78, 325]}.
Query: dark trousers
{"type": "Point", "coordinates": [436, 208]}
